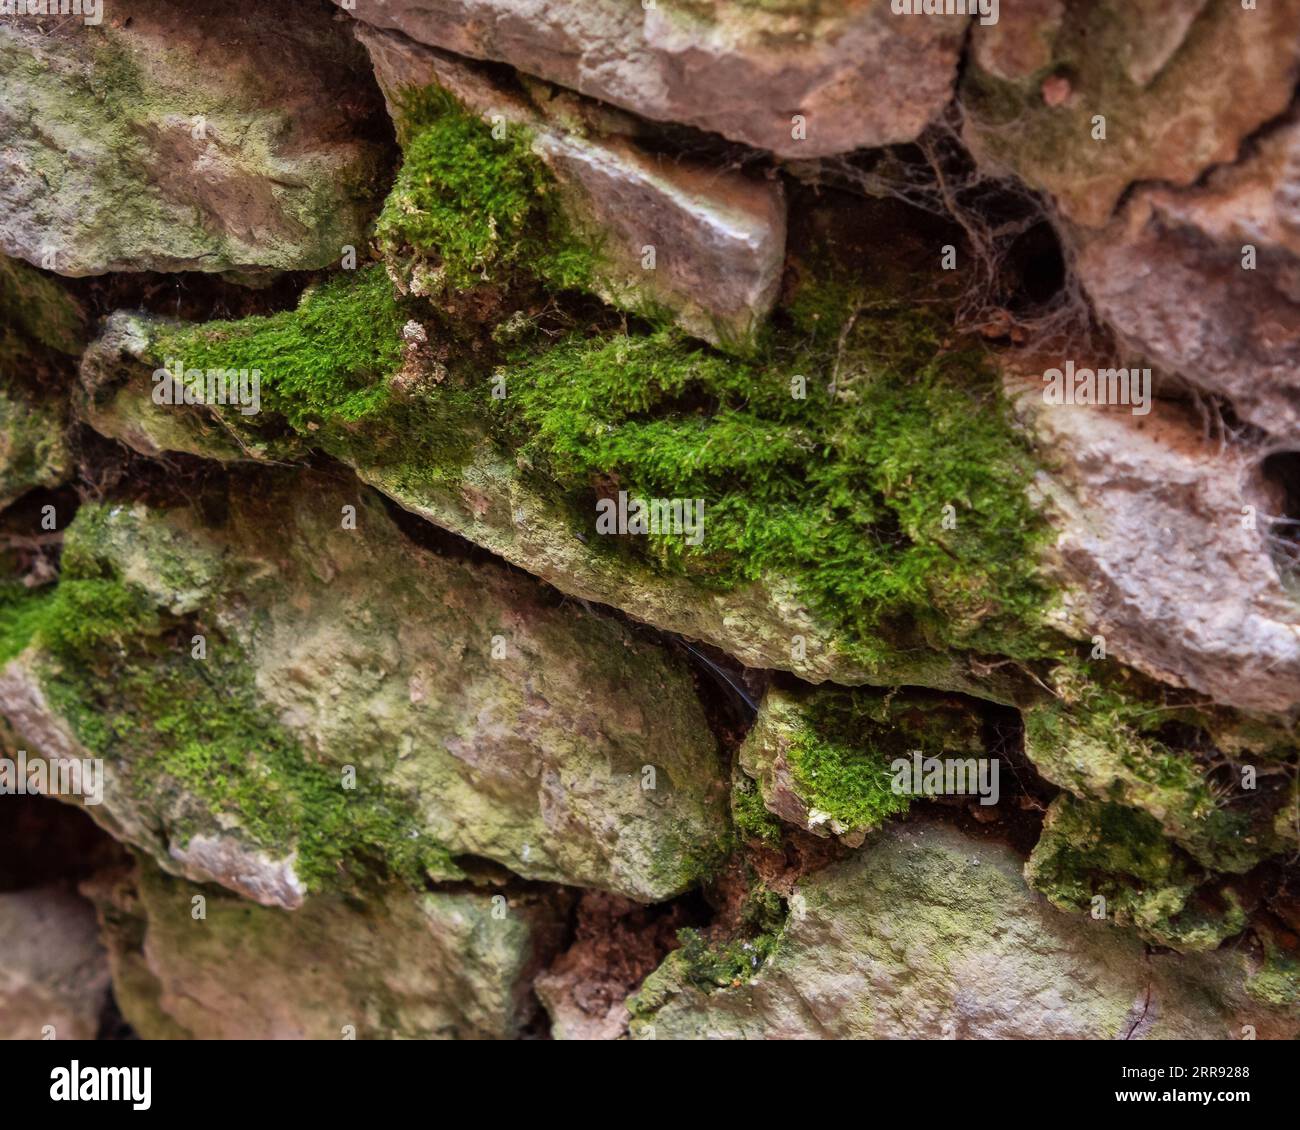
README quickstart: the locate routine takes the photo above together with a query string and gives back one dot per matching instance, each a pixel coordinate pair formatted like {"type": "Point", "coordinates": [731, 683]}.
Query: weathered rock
{"type": "Point", "coordinates": [1205, 281]}
{"type": "Point", "coordinates": [746, 71]}
{"type": "Point", "coordinates": [116, 159]}
{"type": "Point", "coordinates": [510, 728]}
{"type": "Point", "coordinates": [406, 965]}
{"type": "Point", "coordinates": [54, 979]}
{"type": "Point", "coordinates": [1153, 69]}
{"type": "Point", "coordinates": [1153, 553]}
{"type": "Point", "coordinates": [718, 237]}
{"type": "Point", "coordinates": [930, 933]}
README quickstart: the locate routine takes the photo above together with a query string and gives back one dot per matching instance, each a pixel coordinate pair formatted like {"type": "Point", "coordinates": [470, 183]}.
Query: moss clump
{"type": "Point", "coordinates": [897, 503]}
{"type": "Point", "coordinates": [1278, 982]}
{"type": "Point", "coordinates": [1113, 738]}
{"type": "Point", "coordinates": [483, 208]}
{"type": "Point", "coordinates": [710, 964]}
{"type": "Point", "coordinates": [1120, 854]}
{"type": "Point", "coordinates": [328, 371]}
{"type": "Point", "coordinates": [323, 364]}
{"type": "Point", "coordinates": [749, 814]}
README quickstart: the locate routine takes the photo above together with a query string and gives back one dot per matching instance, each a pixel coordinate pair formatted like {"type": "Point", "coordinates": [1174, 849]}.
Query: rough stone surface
{"type": "Point", "coordinates": [54, 973]}
{"type": "Point", "coordinates": [928, 933]}
{"type": "Point", "coordinates": [1152, 68]}
{"type": "Point", "coordinates": [742, 70]}
{"type": "Point", "coordinates": [439, 965]}
{"type": "Point", "coordinates": [1153, 553]}
{"type": "Point", "coordinates": [117, 158]}
{"type": "Point", "coordinates": [1170, 275]}
{"type": "Point", "coordinates": [518, 730]}
{"type": "Point", "coordinates": [719, 237]}
{"type": "Point", "coordinates": [33, 452]}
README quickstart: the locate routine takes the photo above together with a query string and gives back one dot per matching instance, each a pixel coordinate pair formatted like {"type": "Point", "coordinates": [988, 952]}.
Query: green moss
{"type": "Point", "coordinates": [1110, 736]}
{"type": "Point", "coordinates": [483, 208]}
{"type": "Point", "coordinates": [327, 371]}
{"type": "Point", "coordinates": [1120, 854]}
{"type": "Point", "coordinates": [1278, 982]}
{"type": "Point", "coordinates": [36, 309]}
{"type": "Point", "coordinates": [710, 964]}
{"type": "Point", "coordinates": [323, 364]}
{"type": "Point", "coordinates": [122, 675]}
{"type": "Point", "coordinates": [749, 814]}
{"type": "Point", "coordinates": [897, 505]}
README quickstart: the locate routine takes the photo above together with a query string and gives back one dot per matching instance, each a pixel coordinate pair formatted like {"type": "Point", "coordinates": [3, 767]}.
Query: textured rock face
{"type": "Point", "coordinates": [732, 319]}
{"type": "Point", "coordinates": [744, 71]}
{"type": "Point", "coordinates": [1205, 281]}
{"type": "Point", "coordinates": [545, 738]}
{"type": "Point", "coordinates": [1046, 71]}
{"type": "Point", "coordinates": [417, 966]}
{"type": "Point", "coordinates": [718, 240]}
{"type": "Point", "coordinates": [116, 158]}
{"type": "Point", "coordinates": [55, 976]}
{"type": "Point", "coordinates": [1159, 555]}
{"type": "Point", "coordinates": [930, 934]}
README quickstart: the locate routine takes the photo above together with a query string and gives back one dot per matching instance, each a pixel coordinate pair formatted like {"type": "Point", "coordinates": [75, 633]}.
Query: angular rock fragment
{"type": "Point", "coordinates": [117, 159]}
{"type": "Point", "coordinates": [779, 77]}
{"type": "Point", "coordinates": [54, 977]}
{"type": "Point", "coordinates": [1153, 553]}
{"type": "Point", "coordinates": [1205, 281]}
{"type": "Point", "coordinates": [355, 689]}
{"type": "Point", "coordinates": [823, 761]}
{"type": "Point", "coordinates": [1045, 73]}
{"type": "Point", "coordinates": [928, 932]}
{"type": "Point", "coordinates": [717, 238]}
{"type": "Point", "coordinates": [406, 965]}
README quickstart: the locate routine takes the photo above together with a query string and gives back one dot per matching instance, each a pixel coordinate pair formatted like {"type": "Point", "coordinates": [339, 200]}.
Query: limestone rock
{"type": "Point", "coordinates": [1154, 555]}
{"type": "Point", "coordinates": [1205, 281]}
{"type": "Point", "coordinates": [930, 933]}
{"type": "Point", "coordinates": [1041, 76]}
{"type": "Point", "coordinates": [406, 965]}
{"type": "Point", "coordinates": [718, 237]}
{"type": "Point", "coordinates": [33, 452]}
{"type": "Point", "coordinates": [510, 728]}
{"type": "Point", "coordinates": [742, 70]}
{"type": "Point", "coordinates": [55, 974]}
{"type": "Point", "coordinates": [116, 159]}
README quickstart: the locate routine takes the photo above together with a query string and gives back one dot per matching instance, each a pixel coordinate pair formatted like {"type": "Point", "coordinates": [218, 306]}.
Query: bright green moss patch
{"type": "Point", "coordinates": [897, 502]}
{"type": "Point", "coordinates": [1120, 855]}
{"type": "Point", "coordinates": [324, 363]}
{"type": "Point", "coordinates": [482, 208]}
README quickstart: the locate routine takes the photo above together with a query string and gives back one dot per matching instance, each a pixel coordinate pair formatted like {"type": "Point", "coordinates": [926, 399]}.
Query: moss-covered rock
{"type": "Point", "coordinates": [1039, 79]}
{"type": "Point", "coordinates": [823, 760]}
{"type": "Point", "coordinates": [1114, 863]}
{"type": "Point", "coordinates": [877, 530]}
{"type": "Point", "coordinates": [362, 707]}
{"type": "Point", "coordinates": [931, 933]}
